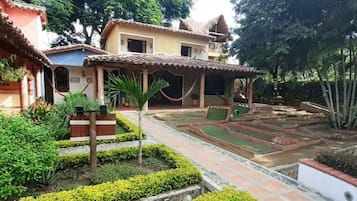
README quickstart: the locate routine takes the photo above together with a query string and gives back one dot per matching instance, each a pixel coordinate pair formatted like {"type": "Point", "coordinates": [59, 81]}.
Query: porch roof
{"type": "Point", "coordinates": [159, 60]}
{"type": "Point", "coordinates": [14, 41]}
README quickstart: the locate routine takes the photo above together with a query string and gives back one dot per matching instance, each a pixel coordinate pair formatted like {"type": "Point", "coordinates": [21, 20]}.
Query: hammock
{"type": "Point", "coordinates": [61, 94]}
{"type": "Point", "coordinates": [181, 98]}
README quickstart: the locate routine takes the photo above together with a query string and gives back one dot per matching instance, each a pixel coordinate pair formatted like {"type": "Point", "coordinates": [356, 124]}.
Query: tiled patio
{"type": "Point", "coordinates": [262, 183]}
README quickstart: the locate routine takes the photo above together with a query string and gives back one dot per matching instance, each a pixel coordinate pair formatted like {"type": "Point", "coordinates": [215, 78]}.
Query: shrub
{"type": "Point", "coordinates": [134, 188]}
{"type": "Point", "coordinates": [113, 172]}
{"type": "Point", "coordinates": [155, 163]}
{"type": "Point", "coordinates": [132, 134]}
{"type": "Point", "coordinates": [39, 111]}
{"type": "Point", "coordinates": [342, 161]}
{"type": "Point", "coordinates": [62, 112]}
{"type": "Point", "coordinates": [227, 194]}
{"type": "Point", "coordinates": [26, 151]}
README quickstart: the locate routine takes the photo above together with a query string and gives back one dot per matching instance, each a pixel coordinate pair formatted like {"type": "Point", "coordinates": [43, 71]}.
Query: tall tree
{"type": "Point", "coordinates": [93, 14]}
{"type": "Point", "coordinates": [296, 35]}
{"type": "Point", "coordinates": [132, 88]}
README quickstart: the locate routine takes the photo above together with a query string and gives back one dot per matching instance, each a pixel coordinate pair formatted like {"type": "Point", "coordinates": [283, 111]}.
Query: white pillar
{"type": "Point", "coordinates": [100, 84]}
{"type": "Point", "coordinates": [145, 86]}
{"type": "Point", "coordinates": [24, 96]}
{"type": "Point", "coordinates": [202, 90]}
{"type": "Point", "coordinates": [38, 83]}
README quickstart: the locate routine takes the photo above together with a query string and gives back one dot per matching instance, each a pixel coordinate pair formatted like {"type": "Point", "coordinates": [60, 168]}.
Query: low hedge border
{"type": "Point", "coordinates": [227, 194]}
{"type": "Point", "coordinates": [132, 134]}
{"type": "Point", "coordinates": [183, 174]}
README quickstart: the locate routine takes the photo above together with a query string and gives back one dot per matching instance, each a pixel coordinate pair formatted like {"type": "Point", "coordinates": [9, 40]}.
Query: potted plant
{"type": "Point", "coordinates": [195, 98]}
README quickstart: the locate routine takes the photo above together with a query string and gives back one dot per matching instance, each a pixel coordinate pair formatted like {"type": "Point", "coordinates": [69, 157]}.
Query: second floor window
{"type": "Point", "coordinates": [136, 46]}
{"type": "Point", "coordinates": [186, 51]}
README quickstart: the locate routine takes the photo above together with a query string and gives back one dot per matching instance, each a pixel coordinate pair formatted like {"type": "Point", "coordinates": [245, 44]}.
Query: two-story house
{"type": "Point", "coordinates": [181, 57]}
{"type": "Point", "coordinates": [20, 28]}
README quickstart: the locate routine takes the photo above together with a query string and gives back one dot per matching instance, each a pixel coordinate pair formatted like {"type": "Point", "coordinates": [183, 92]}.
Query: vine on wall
{"type": "Point", "coordinates": [8, 72]}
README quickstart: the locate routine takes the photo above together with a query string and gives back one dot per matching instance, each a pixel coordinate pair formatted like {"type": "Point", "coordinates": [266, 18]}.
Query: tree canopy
{"type": "Point", "coordinates": [93, 15]}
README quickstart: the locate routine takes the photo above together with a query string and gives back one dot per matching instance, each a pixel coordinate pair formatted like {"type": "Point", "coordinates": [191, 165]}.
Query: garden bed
{"type": "Point", "coordinates": [131, 132]}
{"type": "Point", "coordinates": [181, 173]}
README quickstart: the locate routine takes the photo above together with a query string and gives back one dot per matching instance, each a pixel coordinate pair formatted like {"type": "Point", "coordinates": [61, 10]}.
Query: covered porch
{"type": "Point", "coordinates": [17, 96]}
{"type": "Point", "coordinates": [210, 82]}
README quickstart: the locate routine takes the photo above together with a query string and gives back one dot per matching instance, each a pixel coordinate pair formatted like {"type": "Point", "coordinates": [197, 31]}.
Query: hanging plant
{"type": "Point", "coordinates": [9, 73]}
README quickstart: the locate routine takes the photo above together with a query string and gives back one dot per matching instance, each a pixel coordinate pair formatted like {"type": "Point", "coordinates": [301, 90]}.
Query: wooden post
{"type": "Point", "coordinates": [100, 84]}
{"type": "Point", "coordinates": [202, 90]}
{"type": "Point", "coordinates": [145, 86]}
{"type": "Point", "coordinates": [93, 140]}
{"type": "Point", "coordinates": [94, 82]}
{"type": "Point", "coordinates": [38, 83]}
{"type": "Point", "coordinates": [24, 96]}
{"type": "Point", "coordinates": [250, 93]}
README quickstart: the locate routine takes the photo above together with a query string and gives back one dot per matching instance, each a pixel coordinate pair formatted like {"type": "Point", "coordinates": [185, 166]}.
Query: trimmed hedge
{"type": "Point", "coordinates": [342, 161]}
{"type": "Point", "coordinates": [132, 134]}
{"type": "Point", "coordinates": [184, 174]}
{"type": "Point", "coordinates": [227, 194]}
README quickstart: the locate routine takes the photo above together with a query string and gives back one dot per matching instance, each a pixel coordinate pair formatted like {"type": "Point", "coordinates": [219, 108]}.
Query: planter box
{"type": "Point", "coordinates": [12, 86]}
{"type": "Point", "coordinates": [105, 125]}
{"type": "Point", "coordinates": [327, 181]}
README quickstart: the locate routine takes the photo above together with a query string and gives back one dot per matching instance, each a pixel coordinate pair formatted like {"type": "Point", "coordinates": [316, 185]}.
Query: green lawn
{"type": "Point", "coordinates": [250, 133]}
{"type": "Point", "coordinates": [222, 134]}
{"type": "Point", "coordinates": [185, 115]}
{"type": "Point", "coordinates": [119, 129]}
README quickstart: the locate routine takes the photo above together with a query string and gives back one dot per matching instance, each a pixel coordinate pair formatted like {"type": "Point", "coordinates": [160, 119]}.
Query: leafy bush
{"type": "Point", "coordinates": [113, 172]}
{"type": "Point", "coordinates": [132, 134]}
{"type": "Point", "coordinates": [39, 111]}
{"type": "Point", "coordinates": [184, 174]}
{"type": "Point", "coordinates": [62, 112]}
{"type": "Point", "coordinates": [26, 151]}
{"type": "Point", "coordinates": [342, 161]}
{"type": "Point", "coordinates": [227, 194]}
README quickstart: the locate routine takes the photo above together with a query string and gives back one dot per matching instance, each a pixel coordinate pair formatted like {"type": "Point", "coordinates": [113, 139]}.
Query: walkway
{"type": "Point", "coordinates": [226, 168]}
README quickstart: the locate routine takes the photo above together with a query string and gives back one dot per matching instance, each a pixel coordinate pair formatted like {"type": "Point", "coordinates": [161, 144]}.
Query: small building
{"type": "Point", "coordinates": [67, 74]}
{"type": "Point", "coordinates": [18, 96]}
{"type": "Point", "coordinates": [178, 56]}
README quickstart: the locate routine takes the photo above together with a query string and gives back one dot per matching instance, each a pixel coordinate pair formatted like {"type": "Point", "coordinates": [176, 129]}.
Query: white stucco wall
{"type": "Point", "coordinates": [325, 184]}
{"type": "Point", "coordinates": [76, 72]}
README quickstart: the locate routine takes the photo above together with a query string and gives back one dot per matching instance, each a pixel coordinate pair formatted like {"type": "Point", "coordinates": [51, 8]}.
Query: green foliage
{"type": "Point", "coordinates": [227, 194]}
{"type": "Point", "coordinates": [155, 163]}
{"type": "Point", "coordinates": [26, 151]}
{"type": "Point", "coordinates": [9, 73]}
{"type": "Point", "coordinates": [113, 172]}
{"type": "Point", "coordinates": [61, 113]}
{"type": "Point", "coordinates": [342, 161]}
{"type": "Point", "coordinates": [134, 188]}
{"type": "Point", "coordinates": [39, 112]}
{"type": "Point", "coordinates": [131, 134]}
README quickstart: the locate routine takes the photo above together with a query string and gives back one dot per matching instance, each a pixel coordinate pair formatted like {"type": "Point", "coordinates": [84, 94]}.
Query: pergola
{"type": "Point", "coordinates": [144, 62]}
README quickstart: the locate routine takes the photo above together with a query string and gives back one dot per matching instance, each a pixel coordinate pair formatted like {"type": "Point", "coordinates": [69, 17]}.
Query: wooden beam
{"type": "Point", "coordinates": [250, 93]}
{"type": "Point", "coordinates": [202, 90]}
{"type": "Point", "coordinates": [145, 86]}
{"type": "Point", "coordinates": [100, 84]}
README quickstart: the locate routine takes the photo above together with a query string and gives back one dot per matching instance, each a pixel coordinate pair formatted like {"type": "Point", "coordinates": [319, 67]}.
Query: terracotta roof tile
{"type": "Point", "coordinates": [152, 60]}
{"type": "Point", "coordinates": [110, 25]}
{"type": "Point", "coordinates": [74, 47]}
{"type": "Point", "coordinates": [17, 41]}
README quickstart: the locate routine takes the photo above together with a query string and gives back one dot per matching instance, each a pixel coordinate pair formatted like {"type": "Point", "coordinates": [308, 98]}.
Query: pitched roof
{"type": "Point", "coordinates": [12, 39]}
{"type": "Point", "coordinates": [111, 24]}
{"type": "Point", "coordinates": [68, 48]}
{"type": "Point", "coordinates": [159, 60]}
{"type": "Point", "coordinates": [25, 6]}
{"type": "Point", "coordinates": [216, 26]}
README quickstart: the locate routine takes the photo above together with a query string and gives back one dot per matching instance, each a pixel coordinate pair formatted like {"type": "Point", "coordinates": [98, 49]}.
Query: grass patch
{"type": "Point", "coordinates": [222, 134]}
{"type": "Point", "coordinates": [185, 115]}
{"type": "Point", "coordinates": [217, 114]}
{"type": "Point", "coordinates": [250, 133]}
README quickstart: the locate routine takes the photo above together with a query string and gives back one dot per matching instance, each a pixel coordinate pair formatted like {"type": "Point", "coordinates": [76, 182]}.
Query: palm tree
{"type": "Point", "coordinates": [134, 92]}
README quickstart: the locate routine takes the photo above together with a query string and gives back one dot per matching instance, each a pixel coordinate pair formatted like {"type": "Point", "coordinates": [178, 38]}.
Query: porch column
{"type": "Point", "coordinates": [250, 92]}
{"type": "Point", "coordinates": [94, 82]}
{"type": "Point", "coordinates": [145, 86]}
{"type": "Point", "coordinates": [100, 84]}
{"type": "Point", "coordinates": [38, 83]}
{"type": "Point", "coordinates": [202, 90]}
{"type": "Point", "coordinates": [24, 96]}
